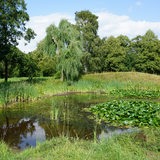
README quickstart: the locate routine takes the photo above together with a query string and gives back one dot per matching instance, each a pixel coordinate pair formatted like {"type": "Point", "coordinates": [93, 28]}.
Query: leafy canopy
{"type": "Point", "coordinates": [64, 42]}
{"type": "Point", "coordinates": [13, 19]}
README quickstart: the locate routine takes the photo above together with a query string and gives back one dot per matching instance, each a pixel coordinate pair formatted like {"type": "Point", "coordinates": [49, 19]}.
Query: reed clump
{"type": "Point", "coordinates": [16, 92]}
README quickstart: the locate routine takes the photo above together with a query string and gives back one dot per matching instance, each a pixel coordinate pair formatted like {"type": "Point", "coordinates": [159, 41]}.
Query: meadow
{"type": "Point", "coordinates": [113, 84]}
{"type": "Point", "coordinates": [123, 88]}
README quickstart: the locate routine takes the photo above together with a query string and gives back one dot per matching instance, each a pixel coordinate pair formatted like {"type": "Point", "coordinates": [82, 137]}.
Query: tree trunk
{"type": "Point", "coordinates": [62, 75]}
{"type": "Point", "coordinates": [6, 70]}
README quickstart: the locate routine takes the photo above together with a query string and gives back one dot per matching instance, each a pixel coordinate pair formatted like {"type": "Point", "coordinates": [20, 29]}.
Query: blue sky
{"type": "Point", "coordinates": [127, 17]}
{"type": "Point", "coordinates": [136, 9]}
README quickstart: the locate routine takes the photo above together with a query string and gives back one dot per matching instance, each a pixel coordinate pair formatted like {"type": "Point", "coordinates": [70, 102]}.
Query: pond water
{"type": "Point", "coordinates": [25, 125]}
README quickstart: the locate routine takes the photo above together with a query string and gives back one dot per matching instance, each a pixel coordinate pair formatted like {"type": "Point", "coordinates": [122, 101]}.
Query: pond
{"type": "Point", "coordinates": [24, 125]}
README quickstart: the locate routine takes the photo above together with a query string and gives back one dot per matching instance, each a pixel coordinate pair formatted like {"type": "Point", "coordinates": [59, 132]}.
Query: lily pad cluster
{"type": "Point", "coordinates": [128, 113]}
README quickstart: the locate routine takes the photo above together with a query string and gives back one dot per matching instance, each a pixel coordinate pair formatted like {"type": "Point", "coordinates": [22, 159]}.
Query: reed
{"type": "Point", "coordinates": [119, 83]}
{"type": "Point", "coordinates": [16, 92]}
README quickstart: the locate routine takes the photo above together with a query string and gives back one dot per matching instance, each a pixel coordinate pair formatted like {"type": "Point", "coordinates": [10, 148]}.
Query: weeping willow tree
{"type": "Point", "coordinates": [68, 48]}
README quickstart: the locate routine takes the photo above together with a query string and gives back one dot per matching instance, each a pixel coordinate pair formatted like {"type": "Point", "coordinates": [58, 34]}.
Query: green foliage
{"type": "Point", "coordinates": [96, 61]}
{"type": "Point", "coordinates": [45, 64]}
{"type": "Point", "coordinates": [46, 46]}
{"type": "Point", "coordinates": [71, 49]}
{"type": "Point", "coordinates": [28, 67]}
{"type": "Point", "coordinates": [13, 18]}
{"type": "Point", "coordinates": [136, 93]}
{"type": "Point", "coordinates": [115, 60]}
{"type": "Point", "coordinates": [87, 25]}
{"type": "Point", "coordinates": [67, 41]}
{"type": "Point", "coordinates": [146, 49]}
{"type": "Point", "coordinates": [15, 60]}
{"type": "Point", "coordinates": [20, 64]}
{"type": "Point", "coordinates": [16, 92]}
{"type": "Point", "coordinates": [128, 113]}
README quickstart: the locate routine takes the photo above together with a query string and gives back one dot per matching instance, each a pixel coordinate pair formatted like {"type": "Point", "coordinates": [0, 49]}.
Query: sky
{"type": "Point", "coordinates": [115, 17]}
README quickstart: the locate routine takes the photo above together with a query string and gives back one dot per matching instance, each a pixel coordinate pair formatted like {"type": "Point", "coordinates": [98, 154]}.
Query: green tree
{"type": "Point", "coordinates": [87, 24]}
{"type": "Point", "coordinates": [125, 44]}
{"type": "Point", "coordinates": [46, 63]}
{"type": "Point", "coordinates": [147, 51]}
{"type": "Point", "coordinates": [116, 54]}
{"type": "Point", "coordinates": [19, 64]}
{"type": "Point", "coordinates": [67, 46]}
{"type": "Point", "coordinates": [14, 59]}
{"type": "Point", "coordinates": [13, 18]}
{"type": "Point", "coordinates": [97, 58]}
{"type": "Point", "coordinates": [45, 55]}
{"type": "Point", "coordinates": [28, 67]}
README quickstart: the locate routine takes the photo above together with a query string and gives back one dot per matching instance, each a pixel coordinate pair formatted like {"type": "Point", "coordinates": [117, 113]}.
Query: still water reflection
{"type": "Point", "coordinates": [25, 125]}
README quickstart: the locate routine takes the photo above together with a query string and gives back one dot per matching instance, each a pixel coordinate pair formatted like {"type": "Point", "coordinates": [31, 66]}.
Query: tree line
{"type": "Point", "coordinates": [70, 50]}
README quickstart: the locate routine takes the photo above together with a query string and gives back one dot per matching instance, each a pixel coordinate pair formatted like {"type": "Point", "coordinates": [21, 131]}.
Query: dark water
{"type": "Point", "coordinates": [25, 125]}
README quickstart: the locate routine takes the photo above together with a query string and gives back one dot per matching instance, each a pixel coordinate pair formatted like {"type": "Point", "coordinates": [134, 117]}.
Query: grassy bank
{"type": "Point", "coordinates": [135, 146]}
{"type": "Point", "coordinates": [142, 145]}
{"type": "Point", "coordinates": [129, 84]}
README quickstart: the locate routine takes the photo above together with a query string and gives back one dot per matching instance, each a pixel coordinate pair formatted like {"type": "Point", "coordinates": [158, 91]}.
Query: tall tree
{"type": "Point", "coordinates": [147, 51]}
{"type": "Point", "coordinates": [125, 45]}
{"type": "Point", "coordinates": [97, 58]}
{"type": "Point", "coordinates": [14, 60]}
{"type": "Point", "coordinates": [67, 44]}
{"type": "Point", "coordinates": [13, 18]}
{"type": "Point", "coordinates": [87, 25]}
{"type": "Point", "coordinates": [115, 60]}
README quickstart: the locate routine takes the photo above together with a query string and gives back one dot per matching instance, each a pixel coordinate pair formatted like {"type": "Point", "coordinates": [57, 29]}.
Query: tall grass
{"type": "Point", "coordinates": [5, 152]}
{"type": "Point", "coordinates": [116, 84]}
{"type": "Point", "coordinates": [16, 92]}
{"type": "Point", "coordinates": [122, 147]}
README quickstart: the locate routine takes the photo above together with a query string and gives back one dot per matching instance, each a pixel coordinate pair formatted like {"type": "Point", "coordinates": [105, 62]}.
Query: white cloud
{"type": "Point", "coordinates": [109, 24]}
{"type": "Point", "coordinates": [39, 25]}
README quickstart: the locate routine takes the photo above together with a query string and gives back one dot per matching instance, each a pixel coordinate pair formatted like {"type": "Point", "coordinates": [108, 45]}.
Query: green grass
{"type": "Point", "coordinates": [115, 84]}
{"type": "Point", "coordinates": [16, 92]}
{"type": "Point", "coordinates": [122, 147]}
{"type": "Point", "coordinates": [136, 93]}
{"type": "Point", "coordinates": [138, 146]}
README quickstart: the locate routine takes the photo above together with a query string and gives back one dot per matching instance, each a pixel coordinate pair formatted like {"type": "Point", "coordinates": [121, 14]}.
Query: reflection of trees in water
{"type": "Point", "coordinates": [12, 133]}
{"type": "Point", "coordinates": [70, 121]}
{"type": "Point", "coordinates": [78, 129]}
